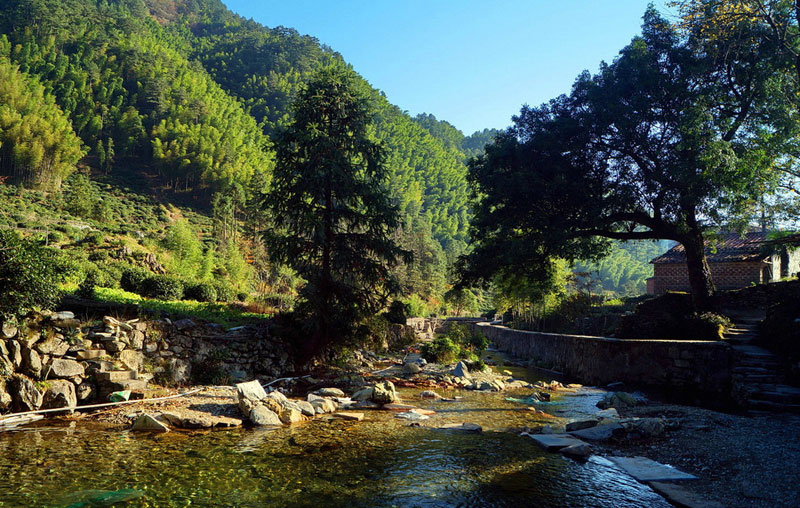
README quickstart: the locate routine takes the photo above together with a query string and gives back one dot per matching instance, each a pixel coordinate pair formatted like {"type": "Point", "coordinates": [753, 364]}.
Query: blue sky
{"type": "Point", "coordinates": [472, 63]}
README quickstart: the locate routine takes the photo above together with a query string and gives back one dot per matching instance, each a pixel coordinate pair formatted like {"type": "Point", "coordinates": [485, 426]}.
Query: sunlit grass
{"type": "Point", "coordinates": [222, 313]}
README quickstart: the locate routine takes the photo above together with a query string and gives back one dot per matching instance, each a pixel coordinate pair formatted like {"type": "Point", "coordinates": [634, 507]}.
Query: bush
{"type": "Point", "coordinates": [133, 278]}
{"type": "Point", "coordinates": [162, 287]}
{"type": "Point", "coordinates": [202, 292]}
{"type": "Point", "coordinates": [28, 276]}
{"type": "Point", "coordinates": [86, 288]}
{"type": "Point", "coordinates": [441, 350]}
{"type": "Point", "coordinates": [225, 292]}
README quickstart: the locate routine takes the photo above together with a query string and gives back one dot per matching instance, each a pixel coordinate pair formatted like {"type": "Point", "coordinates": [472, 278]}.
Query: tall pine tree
{"type": "Point", "coordinates": [333, 216]}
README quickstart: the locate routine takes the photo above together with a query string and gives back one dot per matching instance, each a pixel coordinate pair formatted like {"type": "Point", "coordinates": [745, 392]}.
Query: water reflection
{"type": "Point", "coordinates": [380, 462]}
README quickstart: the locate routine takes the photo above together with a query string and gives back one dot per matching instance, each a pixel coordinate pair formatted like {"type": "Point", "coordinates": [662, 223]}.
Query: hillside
{"type": "Point", "coordinates": [171, 107]}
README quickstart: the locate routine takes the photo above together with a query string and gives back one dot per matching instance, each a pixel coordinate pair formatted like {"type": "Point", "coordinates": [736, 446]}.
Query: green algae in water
{"type": "Point", "coordinates": [97, 498]}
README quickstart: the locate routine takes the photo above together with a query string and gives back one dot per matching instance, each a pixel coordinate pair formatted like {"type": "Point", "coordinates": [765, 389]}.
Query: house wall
{"type": "Point", "coordinates": [675, 276]}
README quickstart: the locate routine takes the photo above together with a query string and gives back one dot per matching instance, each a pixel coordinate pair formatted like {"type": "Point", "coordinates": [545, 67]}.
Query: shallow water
{"type": "Point", "coordinates": [379, 462]}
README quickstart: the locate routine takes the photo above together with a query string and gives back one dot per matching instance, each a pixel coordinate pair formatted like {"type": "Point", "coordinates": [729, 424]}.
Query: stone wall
{"type": "Point", "coordinates": [699, 368]}
{"type": "Point", "coordinates": [52, 360]}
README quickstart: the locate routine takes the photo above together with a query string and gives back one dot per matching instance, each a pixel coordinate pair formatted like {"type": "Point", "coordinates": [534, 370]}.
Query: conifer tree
{"type": "Point", "coordinates": [333, 217]}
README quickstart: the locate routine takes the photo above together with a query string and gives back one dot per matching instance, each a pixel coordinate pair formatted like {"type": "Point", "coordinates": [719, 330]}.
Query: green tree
{"type": "Point", "coordinates": [655, 146]}
{"type": "Point", "coordinates": [333, 216]}
{"type": "Point", "coordinates": [28, 275]}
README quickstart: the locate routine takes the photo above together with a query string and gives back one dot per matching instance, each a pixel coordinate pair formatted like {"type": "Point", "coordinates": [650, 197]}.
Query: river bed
{"type": "Point", "coordinates": [379, 462]}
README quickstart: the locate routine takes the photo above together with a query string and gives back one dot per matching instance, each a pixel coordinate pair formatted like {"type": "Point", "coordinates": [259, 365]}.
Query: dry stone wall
{"type": "Point", "coordinates": [701, 368]}
{"type": "Point", "coordinates": [53, 360]}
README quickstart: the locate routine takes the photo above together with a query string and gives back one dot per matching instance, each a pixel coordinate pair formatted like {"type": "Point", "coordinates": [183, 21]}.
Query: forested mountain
{"type": "Point", "coordinates": [625, 270]}
{"type": "Point", "coordinates": [188, 97]}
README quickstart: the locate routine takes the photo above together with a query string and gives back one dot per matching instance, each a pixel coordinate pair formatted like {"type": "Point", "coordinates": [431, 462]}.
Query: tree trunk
{"type": "Point", "coordinates": [698, 269]}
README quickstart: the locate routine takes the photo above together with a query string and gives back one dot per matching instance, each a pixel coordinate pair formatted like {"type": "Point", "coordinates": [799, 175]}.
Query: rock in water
{"type": "Point", "coordinates": [60, 393]}
{"type": "Point", "coordinates": [260, 415]}
{"type": "Point", "coordinates": [330, 392]}
{"type": "Point", "coordinates": [384, 393]}
{"type": "Point", "coordinates": [618, 400]}
{"type": "Point", "coordinates": [430, 394]}
{"type": "Point", "coordinates": [147, 423]}
{"type": "Point", "coordinates": [251, 390]}
{"type": "Point", "coordinates": [461, 370]}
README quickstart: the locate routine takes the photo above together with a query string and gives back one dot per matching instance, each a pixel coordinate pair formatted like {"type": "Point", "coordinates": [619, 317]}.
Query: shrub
{"type": "Point", "coordinates": [440, 350]}
{"type": "Point", "coordinates": [416, 307]}
{"type": "Point", "coordinates": [162, 287]}
{"type": "Point", "coordinates": [86, 288]}
{"type": "Point", "coordinates": [27, 275]}
{"type": "Point", "coordinates": [225, 292]}
{"type": "Point", "coordinates": [133, 278]}
{"type": "Point", "coordinates": [202, 292]}
{"type": "Point", "coordinates": [94, 238]}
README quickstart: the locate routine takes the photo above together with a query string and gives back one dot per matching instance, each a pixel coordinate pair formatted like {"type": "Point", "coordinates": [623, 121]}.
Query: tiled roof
{"type": "Point", "coordinates": [729, 248]}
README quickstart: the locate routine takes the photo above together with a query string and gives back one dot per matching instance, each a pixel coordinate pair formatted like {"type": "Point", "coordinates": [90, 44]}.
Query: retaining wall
{"type": "Point", "coordinates": [697, 368]}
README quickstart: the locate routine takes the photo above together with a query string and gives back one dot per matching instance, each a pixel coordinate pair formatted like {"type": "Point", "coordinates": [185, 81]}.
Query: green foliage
{"type": "Point", "coordinates": [132, 279]}
{"type": "Point", "coordinates": [28, 276]}
{"type": "Point", "coordinates": [87, 287]}
{"type": "Point", "coordinates": [639, 151]}
{"type": "Point", "coordinates": [440, 350]}
{"type": "Point", "coordinates": [201, 292]}
{"type": "Point", "coordinates": [185, 249]}
{"type": "Point", "coordinates": [333, 216]}
{"type": "Point", "coordinates": [225, 291]}
{"type": "Point", "coordinates": [416, 307]}
{"type": "Point", "coordinates": [162, 287]}
{"type": "Point", "coordinates": [626, 267]}
{"type": "Point", "coordinates": [38, 147]}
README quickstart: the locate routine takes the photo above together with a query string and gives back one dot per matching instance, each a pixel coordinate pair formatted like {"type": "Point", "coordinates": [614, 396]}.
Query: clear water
{"type": "Point", "coordinates": [379, 462]}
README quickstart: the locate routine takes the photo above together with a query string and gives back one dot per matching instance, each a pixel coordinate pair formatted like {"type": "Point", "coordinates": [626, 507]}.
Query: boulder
{"type": "Point", "coordinates": [610, 413]}
{"type": "Point", "coordinates": [384, 393]}
{"type": "Point", "coordinates": [6, 367]}
{"type": "Point", "coordinates": [60, 367]}
{"type": "Point", "coordinates": [26, 395]}
{"type": "Point", "coordinates": [324, 406]}
{"type": "Point", "coordinates": [350, 416]}
{"type": "Point", "coordinates": [260, 415]}
{"type": "Point", "coordinates": [53, 346]}
{"type": "Point", "coordinates": [306, 408]}
{"type": "Point", "coordinates": [132, 360]}
{"type": "Point", "coordinates": [411, 368]}
{"type": "Point", "coordinates": [289, 416]}
{"type": "Point", "coordinates": [60, 393]}
{"type": "Point", "coordinates": [599, 432]}
{"type": "Point", "coordinates": [31, 362]}
{"type": "Point", "coordinates": [581, 424]}
{"type": "Point", "coordinates": [363, 394]}
{"type": "Point", "coordinates": [461, 370]}
{"type": "Point", "coordinates": [330, 392]}
{"type": "Point", "coordinates": [191, 419]}
{"type": "Point", "coordinates": [146, 423]}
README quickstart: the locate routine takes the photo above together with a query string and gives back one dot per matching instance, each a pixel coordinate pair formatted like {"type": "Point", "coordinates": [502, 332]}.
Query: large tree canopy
{"type": "Point", "coordinates": [333, 216]}
{"type": "Point", "coordinates": [663, 143]}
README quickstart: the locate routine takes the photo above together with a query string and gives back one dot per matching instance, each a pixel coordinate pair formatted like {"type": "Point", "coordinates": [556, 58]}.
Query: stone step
{"type": "Point", "coordinates": [116, 375]}
{"type": "Point", "coordinates": [134, 385]}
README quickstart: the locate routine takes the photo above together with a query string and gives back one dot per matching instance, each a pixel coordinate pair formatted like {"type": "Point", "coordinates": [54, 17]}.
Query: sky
{"type": "Point", "coordinates": [473, 63]}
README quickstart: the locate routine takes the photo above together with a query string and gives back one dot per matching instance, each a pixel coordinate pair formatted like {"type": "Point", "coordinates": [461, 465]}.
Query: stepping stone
{"type": "Point", "coordinates": [646, 470]}
{"type": "Point", "coordinates": [555, 442]}
{"type": "Point", "coordinates": [680, 496]}
{"type": "Point", "coordinates": [349, 416]}
{"type": "Point", "coordinates": [598, 433]}
{"type": "Point", "coordinates": [581, 424]}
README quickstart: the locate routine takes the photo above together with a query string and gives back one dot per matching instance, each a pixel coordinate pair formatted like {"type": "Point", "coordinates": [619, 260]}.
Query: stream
{"type": "Point", "coordinates": [379, 462]}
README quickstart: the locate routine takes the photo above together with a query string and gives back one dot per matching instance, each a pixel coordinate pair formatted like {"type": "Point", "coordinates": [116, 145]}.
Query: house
{"type": "Point", "coordinates": [735, 261]}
